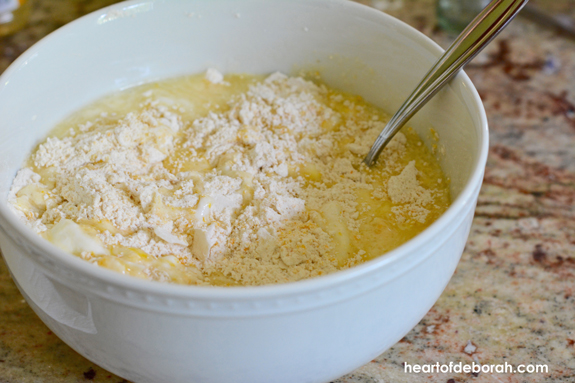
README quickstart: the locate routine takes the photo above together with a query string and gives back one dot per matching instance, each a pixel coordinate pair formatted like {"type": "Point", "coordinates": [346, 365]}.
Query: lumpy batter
{"type": "Point", "coordinates": [235, 180]}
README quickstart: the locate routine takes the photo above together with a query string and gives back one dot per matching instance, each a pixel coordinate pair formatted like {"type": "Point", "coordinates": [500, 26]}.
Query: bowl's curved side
{"type": "Point", "coordinates": [314, 345]}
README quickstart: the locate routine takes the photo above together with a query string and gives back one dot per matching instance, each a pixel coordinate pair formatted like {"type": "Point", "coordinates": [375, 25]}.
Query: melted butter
{"type": "Point", "coordinates": [380, 230]}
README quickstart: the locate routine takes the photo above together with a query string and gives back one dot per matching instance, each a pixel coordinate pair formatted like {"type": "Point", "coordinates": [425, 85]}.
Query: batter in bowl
{"type": "Point", "coordinates": [235, 180]}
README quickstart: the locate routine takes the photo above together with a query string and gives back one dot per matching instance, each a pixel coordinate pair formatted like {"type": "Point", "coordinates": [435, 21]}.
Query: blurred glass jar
{"type": "Point", "coordinates": [13, 15]}
{"type": "Point", "coordinates": [454, 15]}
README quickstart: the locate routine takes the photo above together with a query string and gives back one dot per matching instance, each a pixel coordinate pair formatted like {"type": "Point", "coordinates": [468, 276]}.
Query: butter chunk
{"type": "Point", "coordinates": [70, 237]}
{"type": "Point", "coordinates": [204, 240]}
{"type": "Point", "coordinates": [165, 232]}
{"type": "Point", "coordinates": [337, 229]}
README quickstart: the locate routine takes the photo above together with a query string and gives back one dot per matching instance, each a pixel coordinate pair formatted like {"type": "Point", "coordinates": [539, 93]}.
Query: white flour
{"type": "Point", "coordinates": [271, 196]}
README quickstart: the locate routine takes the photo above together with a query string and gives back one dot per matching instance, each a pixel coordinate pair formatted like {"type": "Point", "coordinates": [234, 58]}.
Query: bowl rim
{"type": "Point", "coordinates": [118, 280]}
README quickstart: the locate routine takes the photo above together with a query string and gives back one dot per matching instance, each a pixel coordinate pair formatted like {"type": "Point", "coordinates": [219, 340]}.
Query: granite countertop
{"type": "Point", "coordinates": [512, 298]}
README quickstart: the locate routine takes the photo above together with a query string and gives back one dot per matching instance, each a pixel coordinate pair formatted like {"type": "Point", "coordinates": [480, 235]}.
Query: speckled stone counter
{"type": "Point", "coordinates": [512, 298]}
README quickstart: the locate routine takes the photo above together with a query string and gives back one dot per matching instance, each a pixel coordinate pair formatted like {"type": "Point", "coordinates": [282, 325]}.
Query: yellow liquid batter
{"type": "Point", "coordinates": [386, 214]}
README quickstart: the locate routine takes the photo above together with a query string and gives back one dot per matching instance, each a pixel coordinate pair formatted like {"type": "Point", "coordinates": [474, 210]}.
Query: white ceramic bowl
{"type": "Point", "coordinates": [309, 331]}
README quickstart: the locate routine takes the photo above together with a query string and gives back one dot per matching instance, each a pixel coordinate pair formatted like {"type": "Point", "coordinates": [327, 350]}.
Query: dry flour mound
{"type": "Point", "coordinates": [263, 193]}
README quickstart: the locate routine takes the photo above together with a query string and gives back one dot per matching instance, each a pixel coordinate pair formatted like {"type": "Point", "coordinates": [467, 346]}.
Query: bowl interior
{"type": "Point", "coordinates": [355, 48]}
